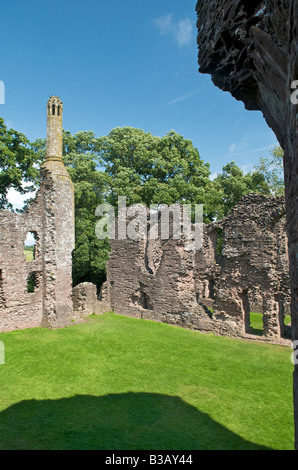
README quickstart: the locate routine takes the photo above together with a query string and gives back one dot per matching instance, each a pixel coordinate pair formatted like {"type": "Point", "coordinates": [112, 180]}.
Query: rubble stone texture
{"type": "Point", "coordinates": [250, 48]}
{"type": "Point", "coordinates": [85, 300]}
{"type": "Point", "coordinates": [50, 218]}
{"type": "Point", "coordinates": [209, 289]}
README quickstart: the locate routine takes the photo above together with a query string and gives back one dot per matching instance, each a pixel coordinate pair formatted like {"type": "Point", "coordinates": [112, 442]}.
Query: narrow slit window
{"type": "Point", "coordinates": [211, 289]}
{"type": "Point", "coordinates": [30, 251]}
{"type": "Point", "coordinates": [284, 320]}
{"type": "Point", "coordinates": [32, 283]}
{"type": "Point", "coordinates": [2, 299]}
{"type": "Point", "coordinates": [219, 244]}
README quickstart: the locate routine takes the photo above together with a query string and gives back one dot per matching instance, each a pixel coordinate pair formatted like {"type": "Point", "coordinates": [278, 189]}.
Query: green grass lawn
{"type": "Point", "coordinates": [256, 322]}
{"type": "Point", "coordinates": [28, 252]}
{"type": "Point", "coordinates": [120, 383]}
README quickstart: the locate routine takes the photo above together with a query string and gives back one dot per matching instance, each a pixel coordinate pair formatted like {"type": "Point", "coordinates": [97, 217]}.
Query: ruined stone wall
{"type": "Point", "coordinates": [50, 218]}
{"type": "Point", "coordinates": [206, 289]}
{"type": "Point", "coordinates": [58, 242]}
{"type": "Point", "coordinates": [250, 48]}
{"type": "Point", "coordinates": [86, 302]}
{"type": "Point", "coordinates": [19, 309]}
{"type": "Point", "coordinates": [152, 279]}
{"type": "Point", "coordinates": [254, 275]}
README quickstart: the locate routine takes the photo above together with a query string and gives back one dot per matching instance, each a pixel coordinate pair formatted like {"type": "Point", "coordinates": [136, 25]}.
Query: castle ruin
{"type": "Point", "coordinates": [241, 267]}
{"type": "Point", "coordinates": [50, 219]}
{"type": "Point", "coordinates": [250, 48]}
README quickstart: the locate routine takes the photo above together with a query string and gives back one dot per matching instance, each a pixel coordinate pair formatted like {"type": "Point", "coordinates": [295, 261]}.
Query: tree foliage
{"type": "Point", "coordinates": [90, 254]}
{"type": "Point", "coordinates": [81, 158]}
{"type": "Point", "coordinates": [272, 169]}
{"type": "Point", "coordinates": [18, 164]}
{"type": "Point", "coordinates": [153, 169]}
{"type": "Point", "coordinates": [234, 184]}
{"type": "Point", "coordinates": [128, 162]}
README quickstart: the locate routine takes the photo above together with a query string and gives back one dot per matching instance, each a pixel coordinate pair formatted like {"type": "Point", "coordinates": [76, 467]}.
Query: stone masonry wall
{"type": "Point", "coordinates": [206, 289]}
{"type": "Point", "coordinates": [250, 48]}
{"type": "Point", "coordinates": [50, 217]}
{"type": "Point", "coordinates": [19, 309]}
{"type": "Point", "coordinates": [50, 221]}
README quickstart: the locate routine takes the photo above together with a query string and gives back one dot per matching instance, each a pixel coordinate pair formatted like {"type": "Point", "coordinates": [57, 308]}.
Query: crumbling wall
{"type": "Point", "coordinates": [152, 279]}
{"type": "Point", "coordinates": [250, 49]}
{"type": "Point", "coordinates": [243, 263]}
{"type": "Point", "coordinates": [254, 265]}
{"type": "Point", "coordinates": [50, 303]}
{"type": "Point", "coordinates": [50, 217]}
{"type": "Point", "coordinates": [86, 302]}
{"type": "Point", "coordinates": [58, 243]}
{"type": "Point", "coordinates": [18, 308]}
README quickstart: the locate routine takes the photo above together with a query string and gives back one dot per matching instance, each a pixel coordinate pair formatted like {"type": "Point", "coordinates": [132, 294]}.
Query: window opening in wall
{"type": "Point", "coordinates": [284, 321]}
{"type": "Point", "coordinates": [256, 323]}
{"type": "Point", "coordinates": [2, 299]}
{"type": "Point", "coordinates": [219, 244]}
{"type": "Point", "coordinates": [211, 289]}
{"type": "Point", "coordinates": [253, 321]}
{"type": "Point", "coordinates": [202, 303]}
{"type": "Point", "coordinates": [32, 283]}
{"type": "Point", "coordinates": [144, 299]}
{"type": "Point", "coordinates": [30, 247]}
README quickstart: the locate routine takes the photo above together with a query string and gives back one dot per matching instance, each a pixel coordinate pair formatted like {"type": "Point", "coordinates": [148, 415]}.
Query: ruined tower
{"type": "Point", "coordinates": [38, 292]}
{"type": "Point", "coordinates": [58, 223]}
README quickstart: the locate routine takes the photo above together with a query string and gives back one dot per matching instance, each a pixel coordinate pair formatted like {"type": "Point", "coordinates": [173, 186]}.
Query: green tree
{"type": "Point", "coordinates": [90, 254]}
{"type": "Point", "coordinates": [144, 168]}
{"type": "Point", "coordinates": [19, 164]}
{"type": "Point", "coordinates": [272, 169]}
{"type": "Point", "coordinates": [234, 184]}
{"type": "Point", "coordinates": [155, 170]}
{"type": "Point", "coordinates": [80, 155]}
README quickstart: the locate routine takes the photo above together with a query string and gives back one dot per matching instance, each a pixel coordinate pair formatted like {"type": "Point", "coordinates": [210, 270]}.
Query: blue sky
{"type": "Point", "coordinates": [131, 63]}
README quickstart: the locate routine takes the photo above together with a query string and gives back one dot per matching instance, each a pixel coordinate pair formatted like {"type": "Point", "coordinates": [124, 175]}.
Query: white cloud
{"type": "Point", "coordinates": [30, 240]}
{"type": "Point", "coordinates": [17, 199]}
{"type": "Point", "coordinates": [181, 30]}
{"type": "Point", "coordinates": [184, 32]}
{"type": "Point", "coordinates": [252, 150]}
{"type": "Point", "coordinates": [240, 146]}
{"type": "Point", "coordinates": [246, 168]}
{"type": "Point", "coordinates": [233, 148]}
{"type": "Point", "coordinates": [165, 24]}
{"type": "Point", "coordinates": [213, 176]}
{"type": "Point", "coordinates": [182, 98]}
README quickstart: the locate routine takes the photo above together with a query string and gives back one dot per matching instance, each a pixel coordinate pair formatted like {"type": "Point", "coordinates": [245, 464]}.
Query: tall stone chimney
{"type": "Point", "coordinates": [54, 128]}
{"type": "Point", "coordinates": [58, 224]}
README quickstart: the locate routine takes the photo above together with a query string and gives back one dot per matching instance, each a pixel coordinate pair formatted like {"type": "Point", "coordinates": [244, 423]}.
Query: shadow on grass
{"type": "Point", "coordinates": [129, 421]}
{"type": "Point", "coordinates": [255, 331]}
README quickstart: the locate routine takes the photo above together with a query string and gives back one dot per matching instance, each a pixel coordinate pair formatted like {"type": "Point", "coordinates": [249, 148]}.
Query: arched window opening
{"type": "Point", "coordinates": [30, 250]}
{"type": "Point", "coordinates": [53, 110]}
